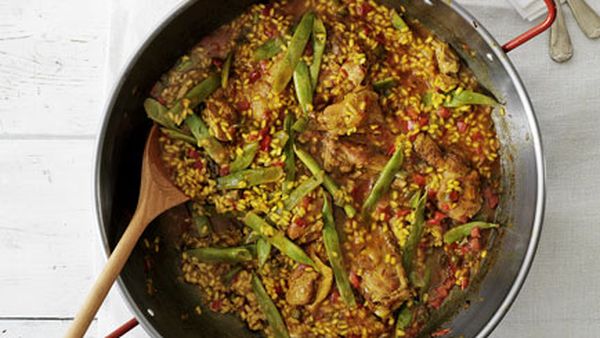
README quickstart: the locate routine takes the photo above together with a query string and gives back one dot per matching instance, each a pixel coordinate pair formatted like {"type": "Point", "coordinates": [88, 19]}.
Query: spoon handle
{"type": "Point", "coordinates": [561, 49]}
{"type": "Point", "coordinates": [587, 19]}
{"type": "Point", "coordinates": [107, 277]}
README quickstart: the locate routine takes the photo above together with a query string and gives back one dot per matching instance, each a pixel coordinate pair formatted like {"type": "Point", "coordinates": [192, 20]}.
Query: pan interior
{"type": "Point", "coordinates": [170, 309]}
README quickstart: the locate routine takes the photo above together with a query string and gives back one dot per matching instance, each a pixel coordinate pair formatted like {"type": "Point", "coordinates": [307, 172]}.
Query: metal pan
{"type": "Point", "coordinates": [169, 311]}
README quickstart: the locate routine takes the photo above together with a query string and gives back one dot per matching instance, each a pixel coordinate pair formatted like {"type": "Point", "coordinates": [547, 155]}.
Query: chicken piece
{"type": "Point", "coordinates": [462, 204]}
{"type": "Point", "coordinates": [383, 281]}
{"type": "Point", "coordinates": [346, 116]}
{"type": "Point", "coordinates": [345, 156]}
{"type": "Point", "coordinates": [340, 79]}
{"type": "Point", "coordinates": [307, 228]}
{"type": "Point", "coordinates": [448, 62]}
{"type": "Point", "coordinates": [217, 43]}
{"type": "Point", "coordinates": [302, 286]}
{"type": "Point", "coordinates": [220, 117]}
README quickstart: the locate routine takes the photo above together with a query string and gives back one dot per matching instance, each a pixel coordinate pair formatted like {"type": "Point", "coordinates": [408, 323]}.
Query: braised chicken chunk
{"type": "Point", "coordinates": [456, 177]}
{"type": "Point", "coordinates": [350, 114]}
{"type": "Point", "coordinates": [302, 287]}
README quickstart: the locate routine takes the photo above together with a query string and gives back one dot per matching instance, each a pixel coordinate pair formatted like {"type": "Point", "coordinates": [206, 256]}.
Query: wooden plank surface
{"type": "Point", "coordinates": [38, 328]}
{"type": "Point", "coordinates": [52, 57]}
{"type": "Point", "coordinates": [48, 241]}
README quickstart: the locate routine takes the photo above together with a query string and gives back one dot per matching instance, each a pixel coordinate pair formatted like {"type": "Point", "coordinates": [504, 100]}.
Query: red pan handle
{"type": "Point", "coordinates": [535, 31]}
{"type": "Point", "coordinates": [123, 329]}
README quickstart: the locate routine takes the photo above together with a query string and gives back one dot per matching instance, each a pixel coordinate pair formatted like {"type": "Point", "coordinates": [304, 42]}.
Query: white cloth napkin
{"type": "Point", "coordinates": [530, 9]}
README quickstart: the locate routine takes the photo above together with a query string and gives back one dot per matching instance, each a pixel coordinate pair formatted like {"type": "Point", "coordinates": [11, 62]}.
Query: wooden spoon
{"type": "Point", "coordinates": [157, 194]}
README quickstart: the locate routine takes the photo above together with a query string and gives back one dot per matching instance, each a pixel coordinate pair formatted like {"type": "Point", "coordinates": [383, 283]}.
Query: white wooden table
{"type": "Point", "coordinates": [53, 73]}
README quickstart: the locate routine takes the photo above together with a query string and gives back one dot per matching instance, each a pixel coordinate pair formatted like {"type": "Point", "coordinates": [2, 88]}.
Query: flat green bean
{"type": "Point", "coordinates": [211, 145]}
{"type": "Point", "coordinates": [462, 231]}
{"type": "Point", "coordinates": [249, 178]}
{"type": "Point", "coordinates": [416, 232]}
{"type": "Point", "coordinates": [398, 22]}
{"type": "Point", "coordinates": [158, 113]}
{"type": "Point", "coordinates": [303, 87]}
{"type": "Point", "coordinates": [244, 160]}
{"type": "Point", "coordinates": [319, 37]}
{"type": "Point", "coordinates": [221, 255]}
{"type": "Point", "coordinates": [461, 98]}
{"type": "Point", "coordinates": [384, 180]}
{"type": "Point", "coordinates": [277, 239]}
{"type": "Point", "coordinates": [263, 250]}
{"type": "Point", "coordinates": [269, 309]}
{"type": "Point", "coordinates": [288, 150]}
{"type": "Point", "coordinates": [402, 321]}
{"type": "Point", "coordinates": [268, 49]}
{"type": "Point", "coordinates": [226, 70]}
{"type": "Point", "coordinates": [328, 183]}
{"type": "Point", "coordinates": [302, 190]}
{"type": "Point", "coordinates": [283, 70]}
{"type": "Point", "coordinates": [334, 253]}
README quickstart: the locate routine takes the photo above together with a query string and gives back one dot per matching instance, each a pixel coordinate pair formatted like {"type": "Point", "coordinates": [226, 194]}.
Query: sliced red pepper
{"type": "Point", "coordinates": [491, 198]}
{"type": "Point", "coordinates": [224, 170]}
{"type": "Point", "coordinates": [444, 112]}
{"type": "Point", "coordinates": [354, 280]}
{"type": "Point", "coordinates": [217, 62]}
{"type": "Point", "coordinates": [419, 179]}
{"type": "Point", "coordinates": [440, 333]}
{"type": "Point", "coordinates": [462, 127]}
{"type": "Point", "coordinates": [254, 76]}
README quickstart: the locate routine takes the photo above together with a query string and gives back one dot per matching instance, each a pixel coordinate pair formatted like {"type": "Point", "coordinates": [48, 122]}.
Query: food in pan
{"type": "Point", "coordinates": [343, 169]}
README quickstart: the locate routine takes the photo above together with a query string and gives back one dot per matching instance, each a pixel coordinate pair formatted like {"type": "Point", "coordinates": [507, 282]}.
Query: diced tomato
{"type": "Point", "coordinates": [198, 165]}
{"type": "Point", "coordinates": [412, 137]}
{"type": "Point", "coordinates": [410, 111]}
{"type": "Point", "coordinates": [265, 143]}
{"type": "Point", "coordinates": [477, 136]}
{"type": "Point", "coordinates": [193, 153]}
{"type": "Point", "coordinates": [266, 11]}
{"type": "Point", "coordinates": [364, 9]}
{"type": "Point", "coordinates": [335, 296]}
{"type": "Point", "coordinates": [404, 127]}
{"type": "Point", "coordinates": [491, 198]}
{"type": "Point", "coordinates": [464, 283]}
{"type": "Point", "coordinates": [445, 207]}
{"type": "Point", "coordinates": [279, 289]}
{"type": "Point", "coordinates": [423, 121]}
{"type": "Point", "coordinates": [380, 38]}
{"type": "Point", "coordinates": [264, 64]}
{"type": "Point", "coordinates": [344, 72]}
{"type": "Point", "coordinates": [309, 49]}
{"type": "Point", "coordinates": [255, 75]}
{"type": "Point", "coordinates": [391, 150]}
{"type": "Point", "coordinates": [440, 333]}
{"type": "Point", "coordinates": [354, 280]}
{"type": "Point", "coordinates": [278, 164]}
{"type": "Point", "coordinates": [444, 112]}
{"type": "Point", "coordinates": [437, 219]}
{"type": "Point", "coordinates": [475, 232]}
{"type": "Point", "coordinates": [431, 194]}
{"type": "Point", "coordinates": [475, 244]}
{"type": "Point", "coordinates": [215, 305]}
{"type": "Point", "coordinates": [243, 105]}
{"type": "Point", "coordinates": [402, 212]}
{"type": "Point", "coordinates": [300, 222]}
{"type": "Point", "coordinates": [224, 170]}
{"type": "Point", "coordinates": [419, 179]}
{"type": "Point", "coordinates": [454, 196]}
{"type": "Point", "coordinates": [217, 62]}
{"type": "Point", "coordinates": [462, 127]}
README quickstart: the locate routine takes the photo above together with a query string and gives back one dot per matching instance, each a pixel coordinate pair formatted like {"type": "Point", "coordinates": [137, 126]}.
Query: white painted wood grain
{"type": "Point", "coordinates": [38, 328]}
{"type": "Point", "coordinates": [52, 56]}
{"type": "Point", "coordinates": [47, 228]}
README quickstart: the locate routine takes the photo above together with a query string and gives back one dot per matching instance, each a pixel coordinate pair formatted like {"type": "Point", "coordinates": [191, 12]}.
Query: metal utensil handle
{"type": "Point", "coordinates": [535, 31]}
{"type": "Point", "coordinates": [561, 48]}
{"type": "Point", "coordinates": [587, 19]}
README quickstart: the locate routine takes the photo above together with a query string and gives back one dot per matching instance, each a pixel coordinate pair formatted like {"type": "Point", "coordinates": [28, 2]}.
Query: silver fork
{"type": "Point", "coordinates": [587, 19]}
{"type": "Point", "coordinates": [561, 49]}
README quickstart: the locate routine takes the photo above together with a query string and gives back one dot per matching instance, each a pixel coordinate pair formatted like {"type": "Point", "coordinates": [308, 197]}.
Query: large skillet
{"type": "Point", "coordinates": [126, 126]}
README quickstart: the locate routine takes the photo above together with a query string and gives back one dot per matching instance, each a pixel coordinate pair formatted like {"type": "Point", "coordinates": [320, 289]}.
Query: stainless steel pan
{"type": "Point", "coordinates": [169, 311]}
